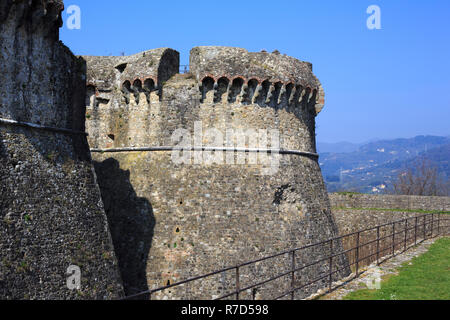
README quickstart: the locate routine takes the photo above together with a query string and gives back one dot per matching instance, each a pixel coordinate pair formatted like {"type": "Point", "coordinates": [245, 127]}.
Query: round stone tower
{"type": "Point", "coordinates": [208, 169]}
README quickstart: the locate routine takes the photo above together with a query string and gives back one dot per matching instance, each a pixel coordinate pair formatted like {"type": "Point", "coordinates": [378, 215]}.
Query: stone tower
{"type": "Point", "coordinates": [51, 213]}
{"type": "Point", "coordinates": [177, 214]}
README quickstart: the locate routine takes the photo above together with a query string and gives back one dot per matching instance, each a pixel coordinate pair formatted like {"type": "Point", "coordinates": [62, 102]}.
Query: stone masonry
{"type": "Point", "coordinates": [171, 221]}
{"type": "Point", "coordinates": [369, 201]}
{"type": "Point", "coordinates": [138, 214]}
{"type": "Point", "coordinates": [51, 212]}
{"type": "Point", "coordinates": [355, 212]}
{"type": "Point", "coordinates": [166, 220]}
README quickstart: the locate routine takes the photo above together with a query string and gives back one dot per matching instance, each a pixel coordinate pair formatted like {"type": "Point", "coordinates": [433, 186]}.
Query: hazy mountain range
{"type": "Point", "coordinates": [371, 167]}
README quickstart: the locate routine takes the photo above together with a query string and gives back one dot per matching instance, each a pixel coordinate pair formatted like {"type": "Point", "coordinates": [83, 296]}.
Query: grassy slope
{"type": "Point", "coordinates": [428, 278]}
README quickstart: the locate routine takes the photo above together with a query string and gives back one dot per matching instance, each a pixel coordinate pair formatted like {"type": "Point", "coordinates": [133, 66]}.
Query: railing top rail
{"type": "Point", "coordinates": [184, 68]}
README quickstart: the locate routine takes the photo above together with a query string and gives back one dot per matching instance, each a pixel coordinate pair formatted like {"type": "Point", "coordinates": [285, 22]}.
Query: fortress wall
{"type": "Point", "coordinates": [389, 202]}
{"type": "Point", "coordinates": [51, 212]}
{"type": "Point", "coordinates": [172, 221]}
{"type": "Point", "coordinates": [355, 212]}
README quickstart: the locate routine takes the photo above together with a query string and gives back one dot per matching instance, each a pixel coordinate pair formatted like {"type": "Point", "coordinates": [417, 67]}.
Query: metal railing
{"type": "Point", "coordinates": [184, 68]}
{"type": "Point", "coordinates": [361, 249]}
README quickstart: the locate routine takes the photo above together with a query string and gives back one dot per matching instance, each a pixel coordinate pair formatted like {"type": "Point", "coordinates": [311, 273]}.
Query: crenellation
{"type": "Point", "coordinates": [216, 62]}
{"type": "Point", "coordinates": [239, 90]}
{"type": "Point", "coordinates": [265, 93]}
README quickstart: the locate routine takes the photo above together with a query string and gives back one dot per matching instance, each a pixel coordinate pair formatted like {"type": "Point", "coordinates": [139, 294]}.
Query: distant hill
{"type": "Point", "coordinates": [373, 166]}
{"type": "Point", "coordinates": [339, 147]}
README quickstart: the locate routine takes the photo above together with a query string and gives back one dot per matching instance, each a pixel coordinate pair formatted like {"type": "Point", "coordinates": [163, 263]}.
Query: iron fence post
{"type": "Point", "coordinates": [424, 228]}
{"type": "Point", "coordinates": [237, 283]}
{"type": "Point", "coordinates": [432, 225]}
{"type": "Point", "coordinates": [393, 239]}
{"type": "Point", "coordinates": [293, 275]}
{"type": "Point", "coordinates": [438, 227]}
{"type": "Point", "coordinates": [415, 231]}
{"type": "Point", "coordinates": [330, 284]}
{"type": "Point", "coordinates": [378, 245]}
{"type": "Point", "coordinates": [357, 254]}
{"type": "Point", "coordinates": [406, 234]}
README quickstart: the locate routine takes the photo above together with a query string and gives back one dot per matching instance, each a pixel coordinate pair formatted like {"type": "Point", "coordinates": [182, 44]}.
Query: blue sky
{"type": "Point", "coordinates": [388, 83]}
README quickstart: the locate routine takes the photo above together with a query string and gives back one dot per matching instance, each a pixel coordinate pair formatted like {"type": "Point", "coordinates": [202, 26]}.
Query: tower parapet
{"type": "Point", "coordinates": [256, 77]}
{"type": "Point", "coordinates": [143, 71]}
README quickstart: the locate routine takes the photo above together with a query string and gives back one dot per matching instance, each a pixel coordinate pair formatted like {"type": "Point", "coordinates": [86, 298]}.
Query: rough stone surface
{"type": "Point", "coordinates": [235, 63]}
{"type": "Point", "coordinates": [107, 72]}
{"type": "Point", "coordinates": [51, 212]}
{"type": "Point", "coordinates": [172, 221]}
{"type": "Point", "coordinates": [368, 201]}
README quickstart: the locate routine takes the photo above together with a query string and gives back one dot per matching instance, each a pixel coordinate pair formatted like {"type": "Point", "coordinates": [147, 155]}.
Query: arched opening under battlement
{"type": "Point", "coordinates": [252, 85]}
{"type": "Point", "coordinates": [235, 90]}
{"type": "Point", "coordinates": [137, 86]}
{"type": "Point", "coordinates": [288, 93]}
{"type": "Point", "coordinates": [275, 93]}
{"type": "Point", "coordinates": [137, 90]}
{"type": "Point", "coordinates": [207, 87]}
{"type": "Point", "coordinates": [299, 91]}
{"type": "Point", "coordinates": [126, 90]}
{"type": "Point", "coordinates": [312, 102]}
{"type": "Point", "coordinates": [222, 88]}
{"type": "Point", "coordinates": [305, 98]}
{"type": "Point", "coordinates": [262, 94]}
{"type": "Point", "coordinates": [149, 85]}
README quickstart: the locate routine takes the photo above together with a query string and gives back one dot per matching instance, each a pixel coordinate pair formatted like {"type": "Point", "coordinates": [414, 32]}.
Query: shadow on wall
{"type": "Point", "coordinates": [131, 222]}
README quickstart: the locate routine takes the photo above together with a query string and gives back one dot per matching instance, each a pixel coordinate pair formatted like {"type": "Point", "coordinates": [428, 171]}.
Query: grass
{"type": "Point", "coordinates": [426, 278]}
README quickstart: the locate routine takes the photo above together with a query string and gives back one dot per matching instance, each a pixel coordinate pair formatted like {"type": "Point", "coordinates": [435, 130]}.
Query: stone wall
{"type": "Point", "coordinates": [368, 201]}
{"type": "Point", "coordinates": [171, 221]}
{"type": "Point", "coordinates": [355, 212]}
{"type": "Point", "coordinates": [51, 212]}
